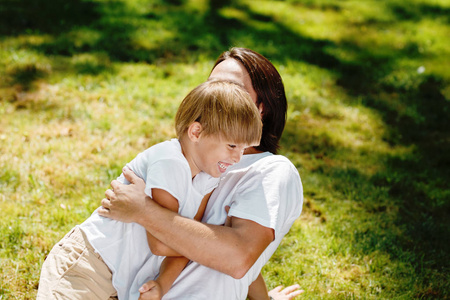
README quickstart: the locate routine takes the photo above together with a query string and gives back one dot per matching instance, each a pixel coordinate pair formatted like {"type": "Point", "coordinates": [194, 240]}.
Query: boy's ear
{"type": "Point", "coordinates": [194, 131]}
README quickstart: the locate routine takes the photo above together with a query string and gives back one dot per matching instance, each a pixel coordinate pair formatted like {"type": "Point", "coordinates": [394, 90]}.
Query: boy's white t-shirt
{"type": "Point", "coordinates": [124, 246]}
{"type": "Point", "coordinates": [263, 188]}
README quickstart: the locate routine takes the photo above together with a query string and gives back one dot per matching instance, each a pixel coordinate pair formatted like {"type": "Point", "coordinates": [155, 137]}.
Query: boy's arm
{"type": "Point", "coordinates": [170, 268]}
{"type": "Point", "coordinates": [258, 290]}
{"type": "Point", "coordinates": [168, 201]}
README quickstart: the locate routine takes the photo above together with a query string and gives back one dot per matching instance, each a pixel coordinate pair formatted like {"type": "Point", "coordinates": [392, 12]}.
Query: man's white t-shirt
{"type": "Point", "coordinates": [124, 246]}
{"type": "Point", "coordinates": [263, 188]}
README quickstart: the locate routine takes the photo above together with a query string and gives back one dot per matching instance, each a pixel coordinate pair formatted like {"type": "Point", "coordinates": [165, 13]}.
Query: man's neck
{"type": "Point", "coordinates": [252, 150]}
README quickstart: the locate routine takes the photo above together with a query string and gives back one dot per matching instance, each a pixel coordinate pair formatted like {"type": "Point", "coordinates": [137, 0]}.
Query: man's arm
{"type": "Point", "coordinates": [258, 289]}
{"type": "Point", "coordinates": [230, 250]}
{"type": "Point", "coordinates": [166, 200]}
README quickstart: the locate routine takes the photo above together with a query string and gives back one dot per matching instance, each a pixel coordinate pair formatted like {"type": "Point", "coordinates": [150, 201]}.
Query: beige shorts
{"type": "Point", "coordinates": [73, 270]}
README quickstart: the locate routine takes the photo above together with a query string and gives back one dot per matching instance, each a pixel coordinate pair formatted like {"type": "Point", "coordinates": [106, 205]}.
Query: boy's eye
{"type": "Point", "coordinates": [231, 146]}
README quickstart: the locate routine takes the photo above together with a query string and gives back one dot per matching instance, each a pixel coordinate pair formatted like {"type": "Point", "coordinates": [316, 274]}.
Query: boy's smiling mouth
{"type": "Point", "coordinates": [223, 166]}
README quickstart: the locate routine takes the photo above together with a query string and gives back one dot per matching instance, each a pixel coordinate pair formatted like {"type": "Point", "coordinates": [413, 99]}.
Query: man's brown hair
{"type": "Point", "coordinates": [268, 85]}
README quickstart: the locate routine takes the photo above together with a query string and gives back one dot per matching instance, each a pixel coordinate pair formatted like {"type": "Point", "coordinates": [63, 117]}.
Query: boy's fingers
{"type": "Point", "coordinates": [147, 286]}
{"type": "Point", "coordinates": [144, 288]}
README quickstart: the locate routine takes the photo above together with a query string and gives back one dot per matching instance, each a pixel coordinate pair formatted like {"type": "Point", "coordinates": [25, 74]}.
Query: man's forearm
{"type": "Point", "coordinates": [258, 289]}
{"type": "Point", "coordinates": [230, 250]}
{"type": "Point", "coordinates": [207, 244]}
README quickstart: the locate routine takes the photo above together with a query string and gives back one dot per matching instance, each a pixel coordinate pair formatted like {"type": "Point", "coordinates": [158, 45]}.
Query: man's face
{"type": "Point", "coordinates": [233, 70]}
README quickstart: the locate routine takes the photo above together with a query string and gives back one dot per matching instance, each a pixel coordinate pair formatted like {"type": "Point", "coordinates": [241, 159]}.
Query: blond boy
{"type": "Point", "coordinates": [103, 258]}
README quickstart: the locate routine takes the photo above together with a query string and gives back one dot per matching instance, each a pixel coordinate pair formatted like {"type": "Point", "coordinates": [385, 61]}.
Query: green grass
{"type": "Point", "coordinates": [86, 85]}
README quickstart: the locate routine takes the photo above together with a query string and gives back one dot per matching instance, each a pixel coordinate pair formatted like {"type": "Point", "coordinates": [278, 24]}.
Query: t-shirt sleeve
{"type": "Point", "coordinates": [271, 196]}
{"type": "Point", "coordinates": [170, 175]}
{"type": "Point", "coordinates": [137, 165]}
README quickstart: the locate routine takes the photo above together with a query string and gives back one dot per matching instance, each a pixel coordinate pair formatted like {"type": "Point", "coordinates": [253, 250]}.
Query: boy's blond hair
{"type": "Point", "coordinates": [221, 107]}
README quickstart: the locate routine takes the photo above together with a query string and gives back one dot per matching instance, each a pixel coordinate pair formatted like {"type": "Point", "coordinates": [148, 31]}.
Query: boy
{"type": "Point", "coordinates": [214, 124]}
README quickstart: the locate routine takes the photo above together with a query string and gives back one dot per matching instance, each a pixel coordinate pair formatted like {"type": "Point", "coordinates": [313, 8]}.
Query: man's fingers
{"type": "Point", "coordinates": [104, 209]}
{"type": "Point", "coordinates": [106, 203]}
{"type": "Point", "coordinates": [104, 212]}
{"type": "Point", "coordinates": [278, 288]}
{"type": "Point", "coordinates": [291, 288]}
{"type": "Point", "coordinates": [296, 293]}
{"type": "Point", "coordinates": [291, 291]}
{"type": "Point", "coordinates": [115, 184]}
{"type": "Point", "coordinates": [109, 193]}
{"type": "Point", "coordinates": [130, 176]}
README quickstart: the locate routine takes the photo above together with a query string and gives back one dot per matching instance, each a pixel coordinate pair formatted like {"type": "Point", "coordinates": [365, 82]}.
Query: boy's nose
{"type": "Point", "coordinates": [237, 155]}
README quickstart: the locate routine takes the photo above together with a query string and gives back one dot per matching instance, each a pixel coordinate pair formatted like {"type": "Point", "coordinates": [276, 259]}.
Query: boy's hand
{"type": "Point", "coordinates": [151, 291]}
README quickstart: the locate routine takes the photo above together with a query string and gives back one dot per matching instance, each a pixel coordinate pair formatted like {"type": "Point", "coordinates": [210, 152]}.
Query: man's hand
{"type": "Point", "coordinates": [287, 293]}
{"type": "Point", "coordinates": [151, 291]}
{"type": "Point", "coordinates": [124, 202]}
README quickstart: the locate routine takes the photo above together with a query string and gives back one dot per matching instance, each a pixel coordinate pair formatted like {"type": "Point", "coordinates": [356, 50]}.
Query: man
{"type": "Point", "coordinates": [263, 192]}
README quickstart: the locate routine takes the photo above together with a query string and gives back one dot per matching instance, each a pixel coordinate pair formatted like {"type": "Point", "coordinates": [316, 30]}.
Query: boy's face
{"type": "Point", "coordinates": [214, 155]}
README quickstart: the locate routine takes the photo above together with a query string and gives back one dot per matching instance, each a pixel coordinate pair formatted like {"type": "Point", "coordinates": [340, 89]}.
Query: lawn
{"type": "Point", "coordinates": [88, 84]}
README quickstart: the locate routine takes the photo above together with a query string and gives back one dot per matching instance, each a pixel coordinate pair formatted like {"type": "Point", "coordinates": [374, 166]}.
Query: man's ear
{"type": "Point", "coordinates": [261, 109]}
{"type": "Point", "coordinates": [194, 131]}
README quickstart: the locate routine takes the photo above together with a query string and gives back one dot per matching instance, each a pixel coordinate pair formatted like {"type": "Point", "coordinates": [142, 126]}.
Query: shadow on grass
{"type": "Point", "coordinates": [419, 11]}
{"type": "Point", "coordinates": [45, 17]}
{"type": "Point", "coordinates": [416, 186]}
